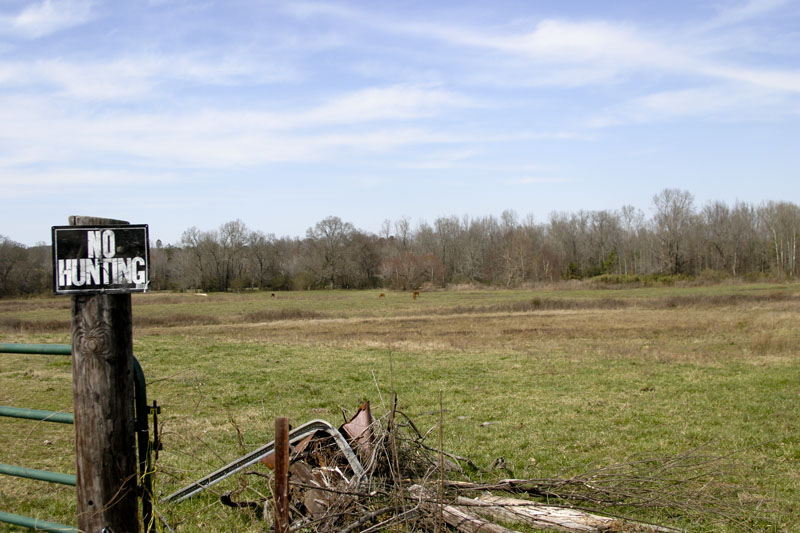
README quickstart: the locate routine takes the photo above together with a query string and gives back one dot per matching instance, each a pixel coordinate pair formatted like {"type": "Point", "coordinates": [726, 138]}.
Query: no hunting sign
{"type": "Point", "coordinates": [101, 259]}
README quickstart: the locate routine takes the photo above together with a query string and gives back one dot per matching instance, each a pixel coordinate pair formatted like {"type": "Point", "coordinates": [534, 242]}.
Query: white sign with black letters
{"type": "Point", "coordinates": [101, 259]}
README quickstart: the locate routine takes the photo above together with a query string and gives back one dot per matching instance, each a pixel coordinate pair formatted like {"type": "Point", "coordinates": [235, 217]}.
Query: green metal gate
{"type": "Point", "coordinates": [146, 447]}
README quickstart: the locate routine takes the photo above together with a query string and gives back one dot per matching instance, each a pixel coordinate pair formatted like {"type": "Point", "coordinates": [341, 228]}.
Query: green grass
{"type": "Point", "coordinates": [555, 388]}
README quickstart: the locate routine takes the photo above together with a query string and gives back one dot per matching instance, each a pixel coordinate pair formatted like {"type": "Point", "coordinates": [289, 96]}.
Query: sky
{"type": "Point", "coordinates": [178, 113]}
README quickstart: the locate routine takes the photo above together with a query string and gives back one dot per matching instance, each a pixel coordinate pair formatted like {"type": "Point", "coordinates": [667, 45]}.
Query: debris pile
{"type": "Point", "coordinates": [379, 474]}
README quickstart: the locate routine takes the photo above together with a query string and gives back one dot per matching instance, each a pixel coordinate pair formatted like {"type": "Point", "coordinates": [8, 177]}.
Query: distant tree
{"type": "Point", "coordinates": [534, 249]}
{"type": "Point", "coordinates": [198, 260]}
{"type": "Point", "coordinates": [327, 243]}
{"type": "Point", "coordinates": [674, 210]}
{"type": "Point", "coordinates": [403, 234]}
{"type": "Point", "coordinates": [476, 245]}
{"type": "Point", "coordinates": [446, 233]}
{"type": "Point", "coordinates": [569, 234]}
{"type": "Point", "coordinates": [409, 271]}
{"type": "Point", "coordinates": [12, 261]}
{"type": "Point", "coordinates": [365, 259]}
{"type": "Point", "coordinates": [743, 239]}
{"type": "Point", "coordinates": [780, 221]}
{"type": "Point", "coordinates": [632, 244]}
{"type": "Point", "coordinates": [161, 259]}
{"type": "Point", "coordinates": [262, 257]}
{"type": "Point", "coordinates": [604, 240]}
{"type": "Point", "coordinates": [230, 260]}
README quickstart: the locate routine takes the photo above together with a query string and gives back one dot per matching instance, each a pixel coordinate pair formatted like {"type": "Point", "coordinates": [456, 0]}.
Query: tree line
{"type": "Point", "coordinates": [678, 239]}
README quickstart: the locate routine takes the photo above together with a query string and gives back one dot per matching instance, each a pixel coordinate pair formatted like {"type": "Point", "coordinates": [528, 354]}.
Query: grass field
{"type": "Point", "coordinates": [555, 380]}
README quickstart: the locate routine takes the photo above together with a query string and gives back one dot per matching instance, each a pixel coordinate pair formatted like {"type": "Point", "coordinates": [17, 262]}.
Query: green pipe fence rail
{"type": "Point", "coordinates": [144, 444]}
{"type": "Point", "coordinates": [37, 414]}
{"type": "Point", "coordinates": [35, 523]}
{"type": "Point", "coordinates": [39, 349]}
{"type": "Point", "coordinates": [41, 475]}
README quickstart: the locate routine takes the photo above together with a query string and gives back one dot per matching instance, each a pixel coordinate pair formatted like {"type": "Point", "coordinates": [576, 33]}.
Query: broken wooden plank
{"type": "Point", "coordinates": [455, 516]}
{"type": "Point", "coordinates": [541, 516]}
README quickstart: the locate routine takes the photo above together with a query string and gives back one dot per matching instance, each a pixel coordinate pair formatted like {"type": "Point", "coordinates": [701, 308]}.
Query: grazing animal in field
{"type": "Point", "coordinates": [416, 293]}
{"type": "Point", "coordinates": [382, 295]}
{"type": "Point", "coordinates": [273, 295]}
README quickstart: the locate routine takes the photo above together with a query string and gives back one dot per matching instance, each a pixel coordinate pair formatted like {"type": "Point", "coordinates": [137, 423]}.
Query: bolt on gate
{"type": "Point", "coordinates": [146, 446]}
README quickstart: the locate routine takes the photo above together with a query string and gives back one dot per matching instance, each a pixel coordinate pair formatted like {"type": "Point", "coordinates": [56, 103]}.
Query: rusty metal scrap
{"type": "Point", "coordinates": [306, 431]}
{"type": "Point", "coordinates": [359, 432]}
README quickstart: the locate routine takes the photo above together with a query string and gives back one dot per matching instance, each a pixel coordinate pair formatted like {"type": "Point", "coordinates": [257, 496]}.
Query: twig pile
{"type": "Point", "coordinates": [410, 485]}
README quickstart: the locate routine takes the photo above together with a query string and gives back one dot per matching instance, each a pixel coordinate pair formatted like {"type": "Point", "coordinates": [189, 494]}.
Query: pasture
{"type": "Point", "coordinates": [555, 380]}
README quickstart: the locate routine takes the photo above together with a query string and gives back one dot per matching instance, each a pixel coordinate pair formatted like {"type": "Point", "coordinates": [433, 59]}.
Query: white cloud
{"type": "Point", "coordinates": [775, 79]}
{"type": "Point", "coordinates": [567, 42]}
{"type": "Point", "coordinates": [444, 158]}
{"type": "Point", "coordinates": [725, 102]}
{"type": "Point", "coordinates": [571, 54]}
{"type": "Point", "coordinates": [528, 180]}
{"type": "Point", "coordinates": [135, 77]}
{"type": "Point", "coordinates": [48, 17]}
{"type": "Point", "coordinates": [81, 176]}
{"type": "Point", "coordinates": [309, 9]}
{"type": "Point", "coordinates": [44, 131]}
{"type": "Point", "coordinates": [377, 103]}
{"type": "Point", "coordinates": [742, 13]}
{"type": "Point", "coordinates": [551, 42]}
{"type": "Point", "coordinates": [578, 53]}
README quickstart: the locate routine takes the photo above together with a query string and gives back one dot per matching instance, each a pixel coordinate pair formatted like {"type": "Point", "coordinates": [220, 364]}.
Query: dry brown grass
{"type": "Point", "coordinates": [21, 325]}
{"type": "Point", "coordinates": [649, 333]}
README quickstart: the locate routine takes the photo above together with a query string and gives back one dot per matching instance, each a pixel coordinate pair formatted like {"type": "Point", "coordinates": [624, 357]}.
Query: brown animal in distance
{"type": "Point", "coordinates": [382, 295]}
{"type": "Point", "coordinates": [416, 293]}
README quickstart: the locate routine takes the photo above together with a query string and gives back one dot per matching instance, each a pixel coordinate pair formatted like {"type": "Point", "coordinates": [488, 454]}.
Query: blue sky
{"type": "Point", "coordinates": [194, 113]}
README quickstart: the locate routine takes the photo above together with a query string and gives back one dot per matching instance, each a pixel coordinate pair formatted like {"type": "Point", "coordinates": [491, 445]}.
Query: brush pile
{"type": "Point", "coordinates": [410, 485]}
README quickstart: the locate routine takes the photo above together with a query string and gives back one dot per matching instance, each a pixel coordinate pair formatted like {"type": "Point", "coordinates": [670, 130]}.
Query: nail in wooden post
{"type": "Point", "coordinates": [281, 475]}
{"type": "Point", "coordinates": [102, 385]}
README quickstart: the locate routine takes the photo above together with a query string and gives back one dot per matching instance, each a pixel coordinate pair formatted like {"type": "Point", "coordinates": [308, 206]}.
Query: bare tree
{"type": "Point", "coordinates": [196, 269]}
{"type": "Point", "coordinates": [673, 215]}
{"type": "Point", "coordinates": [365, 258]}
{"type": "Point", "coordinates": [232, 240]}
{"type": "Point", "coordinates": [161, 261]}
{"type": "Point", "coordinates": [263, 259]}
{"type": "Point", "coordinates": [781, 222]}
{"type": "Point", "coordinates": [403, 234]}
{"type": "Point", "coordinates": [603, 242]}
{"type": "Point", "coordinates": [446, 232]}
{"type": "Point", "coordinates": [12, 259]}
{"type": "Point", "coordinates": [476, 248]}
{"type": "Point", "coordinates": [632, 244]}
{"type": "Point", "coordinates": [743, 239]}
{"type": "Point", "coordinates": [327, 244]}
{"type": "Point", "coordinates": [569, 233]}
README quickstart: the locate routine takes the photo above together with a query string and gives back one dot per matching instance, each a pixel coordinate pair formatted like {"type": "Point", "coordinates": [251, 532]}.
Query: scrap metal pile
{"type": "Point", "coordinates": [380, 474]}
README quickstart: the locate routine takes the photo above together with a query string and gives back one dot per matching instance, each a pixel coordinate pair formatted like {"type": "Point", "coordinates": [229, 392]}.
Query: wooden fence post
{"type": "Point", "coordinates": [102, 372]}
{"type": "Point", "coordinates": [281, 475]}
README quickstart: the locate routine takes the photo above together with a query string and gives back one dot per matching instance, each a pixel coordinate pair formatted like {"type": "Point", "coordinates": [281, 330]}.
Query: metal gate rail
{"type": "Point", "coordinates": [35, 523]}
{"type": "Point", "coordinates": [37, 414]}
{"type": "Point", "coordinates": [145, 446]}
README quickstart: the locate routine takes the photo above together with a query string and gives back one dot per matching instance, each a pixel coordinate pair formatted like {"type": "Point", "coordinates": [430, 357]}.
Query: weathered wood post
{"type": "Point", "coordinates": [102, 372]}
{"type": "Point", "coordinates": [281, 475]}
